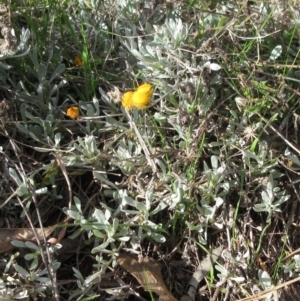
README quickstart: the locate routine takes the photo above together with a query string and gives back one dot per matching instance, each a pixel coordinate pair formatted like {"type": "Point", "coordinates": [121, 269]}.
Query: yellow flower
{"type": "Point", "coordinates": [142, 96]}
{"type": "Point", "coordinates": [127, 100]}
{"type": "Point", "coordinates": [73, 112]}
{"type": "Point", "coordinates": [138, 99]}
{"type": "Point", "coordinates": [78, 60]}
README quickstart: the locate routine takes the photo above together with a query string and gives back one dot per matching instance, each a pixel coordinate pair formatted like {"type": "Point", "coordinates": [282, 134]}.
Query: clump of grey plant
{"type": "Point", "coordinates": [197, 169]}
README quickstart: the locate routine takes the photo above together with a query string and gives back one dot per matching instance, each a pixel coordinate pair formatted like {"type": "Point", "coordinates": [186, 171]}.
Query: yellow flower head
{"type": "Point", "coordinates": [78, 60]}
{"type": "Point", "coordinates": [73, 112]}
{"type": "Point", "coordinates": [138, 99]}
{"type": "Point", "coordinates": [127, 100]}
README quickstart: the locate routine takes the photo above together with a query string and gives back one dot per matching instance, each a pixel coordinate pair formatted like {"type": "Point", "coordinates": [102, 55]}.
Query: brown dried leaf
{"type": "Point", "coordinates": [147, 273]}
{"type": "Point", "coordinates": [23, 234]}
{"type": "Point", "coordinates": [7, 235]}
